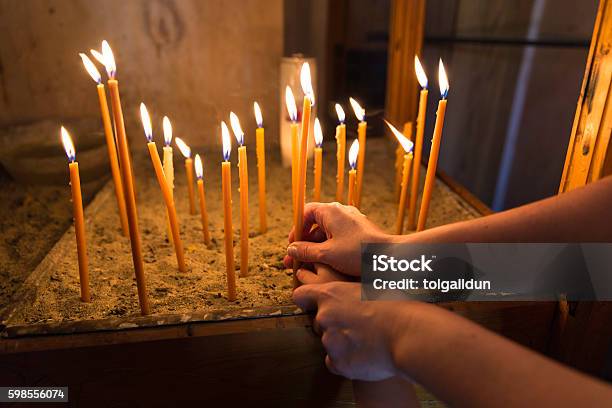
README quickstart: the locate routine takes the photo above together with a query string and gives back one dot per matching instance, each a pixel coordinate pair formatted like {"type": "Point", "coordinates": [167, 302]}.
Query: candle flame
{"type": "Point", "coordinates": [443, 80]}
{"type": "Point", "coordinates": [199, 170]}
{"type": "Point", "coordinates": [290, 102]}
{"type": "Point", "coordinates": [420, 72]}
{"type": "Point", "coordinates": [97, 55]}
{"type": "Point", "coordinates": [306, 82]}
{"type": "Point", "coordinates": [68, 145]}
{"type": "Point", "coordinates": [340, 112]}
{"type": "Point", "coordinates": [185, 150]}
{"type": "Point", "coordinates": [227, 141]}
{"type": "Point", "coordinates": [406, 143]}
{"type": "Point", "coordinates": [167, 126]}
{"type": "Point", "coordinates": [91, 68]}
{"type": "Point", "coordinates": [146, 122]}
{"type": "Point", "coordinates": [318, 133]}
{"type": "Point", "coordinates": [359, 111]}
{"type": "Point", "coordinates": [258, 117]}
{"type": "Point", "coordinates": [353, 152]}
{"type": "Point", "coordinates": [109, 59]}
{"type": "Point", "coordinates": [236, 128]}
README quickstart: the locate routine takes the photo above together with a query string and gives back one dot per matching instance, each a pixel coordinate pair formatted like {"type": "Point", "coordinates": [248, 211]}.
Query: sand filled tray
{"type": "Point", "coordinates": [48, 301]}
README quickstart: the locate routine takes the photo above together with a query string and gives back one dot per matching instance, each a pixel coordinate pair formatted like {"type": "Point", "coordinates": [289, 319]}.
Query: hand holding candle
{"type": "Point", "coordinates": [226, 181]}
{"type": "Point", "coordinates": [318, 160]}
{"type": "Point", "coordinates": [407, 146]}
{"type": "Point", "coordinates": [77, 209]}
{"type": "Point", "coordinates": [260, 148]}
{"type": "Point", "coordinates": [418, 147]}
{"type": "Point", "coordinates": [292, 110]}
{"type": "Point", "coordinates": [430, 177]}
{"type": "Point", "coordinates": [164, 186]}
{"type": "Point", "coordinates": [361, 134]}
{"type": "Point", "coordinates": [352, 158]}
{"type": "Point", "coordinates": [110, 142]}
{"type": "Point", "coordinates": [186, 152]}
{"type": "Point", "coordinates": [199, 170]}
{"type": "Point", "coordinates": [244, 195]}
{"type": "Point", "coordinates": [340, 153]}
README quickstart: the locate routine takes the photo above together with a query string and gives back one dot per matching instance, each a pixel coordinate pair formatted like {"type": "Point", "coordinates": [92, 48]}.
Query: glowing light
{"type": "Point", "coordinates": [227, 141]}
{"type": "Point", "coordinates": [318, 133]}
{"type": "Point", "coordinates": [443, 80]}
{"type": "Point", "coordinates": [420, 72]}
{"type": "Point", "coordinates": [359, 111]}
{"type": "Point", "coordinates": [258, 117]}
{"type": "Point", "coordinates": [146, 122]}
{"type": "Point", "coordinates": [68, 146]}
{"type": "Point", "coordinates": [340, 113]}
{"type": "Point", "coordinates": [407, 145]}
{"type": "Point", "coordinates": [236, 128]}
{"type": "Point", "coordinates": [98, 56]}
{"type": "Point", "coordinates": [199, 170]}
{"type": "Point", "coordinates": [91, 68]}
{"type": "Point", "coordinates": [353, 152]}
{"type": "Point", "coordinates": [109, 59]}
{"type": "Point", "coordinates": [167, 126]}
{"type": "Point", "coordinates": [185, 150]}
{"type": "Point", "coordinates": [306, 82]}
{"type": "Point", "coordinates": [290, 102]}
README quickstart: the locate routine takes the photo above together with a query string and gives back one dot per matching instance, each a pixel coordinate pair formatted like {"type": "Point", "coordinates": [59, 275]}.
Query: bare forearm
{"type": "Point", "coordinates": [466, 365]}
{"type": "Point", "coordinates": [576, 216]}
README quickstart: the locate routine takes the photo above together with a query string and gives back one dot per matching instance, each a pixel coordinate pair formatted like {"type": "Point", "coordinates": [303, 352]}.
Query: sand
{"type": "Point", "coordinates": [202, 287]}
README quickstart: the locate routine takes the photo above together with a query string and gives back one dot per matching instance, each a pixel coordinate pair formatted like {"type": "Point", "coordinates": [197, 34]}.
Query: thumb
{"type": "Point", "coordinates": [304, 251]}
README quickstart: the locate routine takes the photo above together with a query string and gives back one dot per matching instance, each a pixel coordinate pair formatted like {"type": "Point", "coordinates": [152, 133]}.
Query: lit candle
{"type": "Point", "coordinates": [340, 153]}
{"type": "Point", "coordinates": [199, 170]}
{"type": "Point", "coordinates": [110, 142]}
{"type": "Point", "coordinates": [318, 160]}
{"type": "Point", "coordinates": [168, 163]}
{"type": "Point", "coordinates": [399, 159]}
{"type": "Point", "coordinates": [260, 147]}
{"type": "Point", "coordinates": [126, 178]}
{"type": "Point", "coordinates": [244, 194]}
{"type": "Point", "coordinates": [77, 209]}
{"type": "Point", "coordinates": [407, 146]}
{"type": "Point", "coordinates": [164, 186]}
{"type": "Point", "coordinates": [418, 146]}
{"type": "Point", "coordinates": [303, 159]}
{"type": "Point", "coordinates": [352, 158]}
{"type": "Point", "coordinates": [226, 181]}
{"type": "Point", "coordinates": [361, 135]}
{"type": "Point", "coordinates": [430, 177]}
{"type": "Point", "coordinates": [292, 110]}
{"type": "Point", "coordinates": [186, 152]}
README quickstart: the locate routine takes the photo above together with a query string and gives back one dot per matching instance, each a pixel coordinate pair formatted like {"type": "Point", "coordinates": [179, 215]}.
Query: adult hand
{"type": "Point", "coordinates": [322, 274]}
{"type": "Point", "coordinates": [336, 239]}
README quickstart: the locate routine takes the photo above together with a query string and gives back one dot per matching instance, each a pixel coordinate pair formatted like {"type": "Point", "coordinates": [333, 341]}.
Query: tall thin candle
{"type": "Point", "coordinates": [407, 146]}
{"type": "Point", "coordinates": [318, 160]}
{"type": "Point", "coordinates": [260, 147]}
{"type": "Point", "coordinates": [199, 170]}
{"type": "Point", "coordinates": [340, 153]}
{"type": "Point", "coordinates": [361, 134]}
{"type": "Point", "coordinates": [168, 163]}
{"type": "Point", "coordinates": [352, 158]}
{"type": "Point", "coordinates": [292, 110]}
{"type": "Point", "coordinates": [243, 174]}
{"type": "Point", "coordinates": [226, 181]}
{"type": "Point", "coordinates": [186, 152]}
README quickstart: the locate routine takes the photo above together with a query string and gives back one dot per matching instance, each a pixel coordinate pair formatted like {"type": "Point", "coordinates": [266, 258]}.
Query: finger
{"type": "Point", "coordinates": [307, 297]}
{"type": "Point", "coordinates": [307, 277]}
{"type": "Point", "coordinates": [328, 274]}
{"type": "Point", "coordinates": [314, 233]}
{"type": "Point", "coordinates": [304, 251]}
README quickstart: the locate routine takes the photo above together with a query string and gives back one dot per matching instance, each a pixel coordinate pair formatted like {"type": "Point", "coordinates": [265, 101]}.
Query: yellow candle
{"type": "Point", "coordinates": [353, 153]}
{"type": "Point", "coordinates": [126, 178]}
{"type": "Point", "coordinates": [340, 153]}
{"type": "Point", "coordinates": [77, 209]}
{"type": "Point", "coordinates": [110, 142]}
{"type": "Point", "coordinates": [260, 147]}
{"type": "Point", "coordinates": [186, 152]}
{"type": "Point", "coordinates": [292, 110]}
{"type": "Point", "coordinates": [168, 163]}
{"type": "Point", "coordinates": [199, 169]}
{"type": "Point", "coordinates": [399, 159]}
{"type": "Point", "coordinates": [361, 134]}
{"type": "Point", "coordinates": [303, 159]}
{"type": "Point", "coordinates": [244, 195]}
{"type": "Point", "coordinates": [406, 145]}
{"type": "Point", "coordinates": [226, 182]}
{"type": "Point", "coordinates": [430, 176]}
{"type": "Point", "coordinates": [418, 146]}
{"type": "Point", "coordinates": [318, 160]}
{"type": "Point", "coordinates": [164, 185]}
